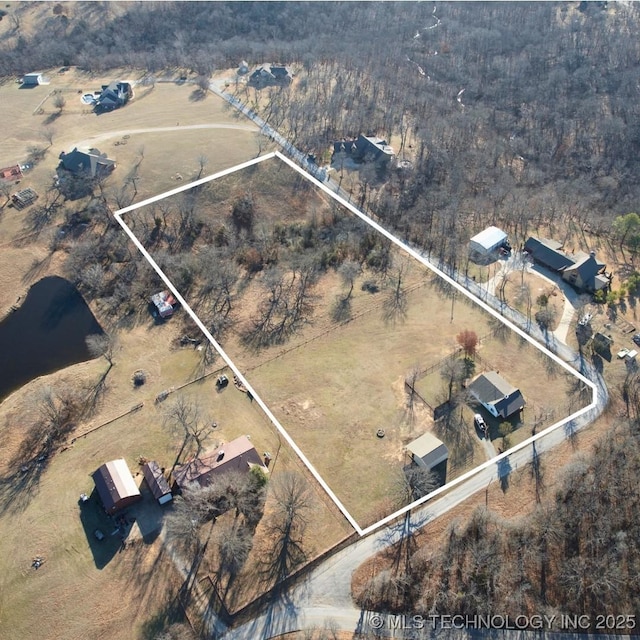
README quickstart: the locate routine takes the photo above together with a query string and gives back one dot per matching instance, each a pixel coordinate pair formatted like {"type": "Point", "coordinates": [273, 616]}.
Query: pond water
{"type": "Point", "coordinates": [46, 333]}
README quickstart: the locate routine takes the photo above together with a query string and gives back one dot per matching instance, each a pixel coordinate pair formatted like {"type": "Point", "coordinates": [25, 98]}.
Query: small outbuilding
{"type": "Point", "coordinates": [157, 482]}
{"type": "Point", "coordinates": [164, 302]}
{"type": "Point", "coordinates": [12, 173]}
{"type": "Point", "coordinates": [488, 241]}
{"type": "Point", "coordinates": [32, 79]}
{"type": "Point", "coordinates": [428, 451]}
{"type": "Point", "coordinates": [496, 395]}
{"type": "Point", "coordinates": [115, 485]}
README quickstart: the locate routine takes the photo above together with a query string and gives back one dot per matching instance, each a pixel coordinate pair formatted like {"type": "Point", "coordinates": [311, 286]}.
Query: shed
{"type": "Point", "coordinates": [164, 302]}
{"type": "Point", "coordinates": [32, 79]}
{"type": "Point", "coordinates": [488, 240]}
{"type": "Point", "coordinates": [115, 484]}
{"type": "Point", "coordinates": [428, 451]}
{"type": "Point", "coordinates": [11, 173]}
{"type": "Point", "coordinates": [157, 482]}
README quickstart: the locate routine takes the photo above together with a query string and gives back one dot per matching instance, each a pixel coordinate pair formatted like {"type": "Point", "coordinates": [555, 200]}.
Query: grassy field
{"type": "Point", "coordinates": [334, 384]}
{"type": "Point", "coordinates": [92, 590]}
{"type": "Point", "coordinates": [82, 582]}
{"type": "Point", "coordinates": [127, 135]}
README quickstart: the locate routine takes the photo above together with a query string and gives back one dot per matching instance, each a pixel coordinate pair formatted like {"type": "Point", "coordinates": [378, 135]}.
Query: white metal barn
{"type": "Point", "coordinates": [32, 79]}
{"type": "Point", "coordinates": [487, 241]}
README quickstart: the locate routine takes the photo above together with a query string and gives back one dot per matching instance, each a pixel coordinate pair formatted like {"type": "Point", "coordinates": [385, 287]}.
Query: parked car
{"type": "Point", "coordinates": [98, 534]}
{"type": "Point", "coordinates": [480, 424]}
{"type": "Point", "coordinates": [636, 339]}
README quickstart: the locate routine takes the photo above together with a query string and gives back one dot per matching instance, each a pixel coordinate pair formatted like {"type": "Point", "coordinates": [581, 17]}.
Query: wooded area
{"type": "Point", "coordinates": [519, 114]}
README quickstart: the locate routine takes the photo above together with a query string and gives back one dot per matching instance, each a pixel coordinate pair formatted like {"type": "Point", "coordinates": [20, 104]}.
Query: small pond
{"type": "Point", "coordinates": [46, 333]}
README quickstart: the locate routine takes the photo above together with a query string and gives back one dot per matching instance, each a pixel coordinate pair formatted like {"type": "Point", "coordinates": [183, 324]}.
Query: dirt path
{"type": "Point", "coordinates": [97, 139]}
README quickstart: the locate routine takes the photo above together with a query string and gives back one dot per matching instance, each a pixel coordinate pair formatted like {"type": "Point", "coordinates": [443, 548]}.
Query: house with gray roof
{"type": "Point", "coordinates": [583, 271]}
{"type": "Point", "coordinates": [91, 162]}
{"type": "Point", "coordinates": [365, 149]}
{"type": "Point", "coordinates": [587, 273]}
{"type": "Point", "coordinates": [500, 398]}
{"type": "Point", "coordinates": [269, 75]}
{"type": "Point", "coordinates": [113, 96]}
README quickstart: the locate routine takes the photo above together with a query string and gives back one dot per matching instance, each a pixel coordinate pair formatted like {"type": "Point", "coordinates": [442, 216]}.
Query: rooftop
{"type": "Point", "coordinates": [237, 455]}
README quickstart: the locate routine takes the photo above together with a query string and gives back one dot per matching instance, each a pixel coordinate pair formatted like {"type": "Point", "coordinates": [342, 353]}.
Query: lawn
{"type": "Point", "coordinates": [162, 156]}
{"type": "Point", "coordinates": [335, 381]}
{"type": "Point", "coordinates": [83, 581]}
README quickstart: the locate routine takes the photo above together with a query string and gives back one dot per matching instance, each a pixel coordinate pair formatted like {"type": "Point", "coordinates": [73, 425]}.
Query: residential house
{"type": "Point", "coordinates": [587, 273]}
{"type": "Point", "coordinates": [583, 271]}
{"type": "Point", "coordinates": [270, 75]}
{"type": "Point", "coordinates": [238, 455]}
{"type": "Point", "coordinates": [365, 149]}
{"type": "Point", "coordinates": [113, 96]}
{"type": "Point", "coordinates": [496, 395]}
{"type": "Point", "coordinates": [115, 485]}
{"type": "Point", "coordinates": [92, 162]}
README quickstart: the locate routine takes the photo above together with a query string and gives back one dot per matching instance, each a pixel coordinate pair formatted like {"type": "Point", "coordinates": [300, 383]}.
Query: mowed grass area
{"type": "Point", "coordinates": [161, 155]}
{"type": "Point", "coordinates": [83, 582]}
{"type": "Point", "coordinates": [333, 394]}
{"type": "Point", "coordinates": [334, 383]}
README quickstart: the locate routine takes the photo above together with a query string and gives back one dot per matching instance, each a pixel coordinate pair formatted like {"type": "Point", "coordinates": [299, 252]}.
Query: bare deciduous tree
{"type": "Point", "coordinates": [287, 524]}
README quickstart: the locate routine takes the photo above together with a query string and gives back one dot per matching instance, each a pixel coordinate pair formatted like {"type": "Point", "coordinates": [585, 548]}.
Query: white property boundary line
{"type": "Point", "coordinates": [414, 254]}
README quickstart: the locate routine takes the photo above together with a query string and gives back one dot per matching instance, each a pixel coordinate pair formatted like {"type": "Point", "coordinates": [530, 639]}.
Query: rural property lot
{"type": "Point", "coordinates": [159, 137]}
{"type": "Point", "coordinates": [326, 348]}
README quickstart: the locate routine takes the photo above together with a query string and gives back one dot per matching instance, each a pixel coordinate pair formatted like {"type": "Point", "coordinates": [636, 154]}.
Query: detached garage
{"type": "Point", "coordinates": [488, 241]}
{"type": "Point", "coordinates": [32, 79]}
{"type": "Point", "coordinates": [116, 487]}
{"type": "Point", "coordinates": [428, 451]}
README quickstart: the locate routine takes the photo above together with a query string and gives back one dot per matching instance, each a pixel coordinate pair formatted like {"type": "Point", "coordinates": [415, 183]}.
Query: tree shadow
{"type": "Point", "coordinates": [571, 432]}
{"type": "Point", "coordinates": [197, 95]}
{"type": "Point", "coordinates": [52, 117]}
{"type": "Point", "coordinates": [104, 539]}
{"type": "Point", "coordinates": [341, 310]}
{"type": "Point", "coordinates": [504, 472]}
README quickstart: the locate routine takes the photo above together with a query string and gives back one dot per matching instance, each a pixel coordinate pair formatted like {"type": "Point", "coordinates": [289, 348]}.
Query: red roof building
{"type": "Point", "coordinates": [237, 455]}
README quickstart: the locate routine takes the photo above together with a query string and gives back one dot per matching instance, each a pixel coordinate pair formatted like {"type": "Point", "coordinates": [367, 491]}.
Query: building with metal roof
{"type": "Point", "coordinates": [487, 241]}
{"type": "Point", "coordinates": [428, 451]}
{"type": "Point", "coordinates": [238, 455]}
{"type": "Point", "coordinates": [115, 485]}
{"type": "Point", "coordinates": [157, 482]}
